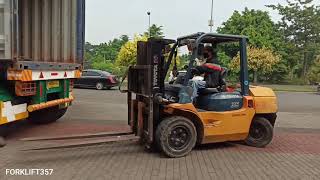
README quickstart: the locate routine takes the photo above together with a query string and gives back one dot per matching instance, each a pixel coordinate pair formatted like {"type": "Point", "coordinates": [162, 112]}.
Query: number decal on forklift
{"type": "Point", "coordinates": [235, 104]}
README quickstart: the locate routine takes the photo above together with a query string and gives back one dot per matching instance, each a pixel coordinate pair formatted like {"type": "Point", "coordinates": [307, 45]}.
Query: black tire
{"type": "Point", "coordinates": [176, 136]}
{"type": "Point", "coordinates": [2, 142]}
{"type": "Point", "coordinates": [4, 130]}
{"type": "Point", "coordinates": [99, 86]}
{"type": "Point", "coordinates": [47, 116]}
{"type": "Point", "coordinates": [260, 133]}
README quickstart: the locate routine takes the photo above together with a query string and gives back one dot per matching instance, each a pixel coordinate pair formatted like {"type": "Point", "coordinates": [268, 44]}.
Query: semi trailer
{"type": "Point", "coordinates": [41, 53]}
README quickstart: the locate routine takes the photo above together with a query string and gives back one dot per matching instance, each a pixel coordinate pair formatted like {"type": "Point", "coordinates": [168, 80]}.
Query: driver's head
{"type": "Point", "coordinates": [209, 54]}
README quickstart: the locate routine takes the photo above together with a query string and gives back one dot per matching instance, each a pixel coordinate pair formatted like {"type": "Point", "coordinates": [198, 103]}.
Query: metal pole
{"type": "Point", "coordinates": [211, 19]}
{"type": "Point", "coordinates": [149, 14]}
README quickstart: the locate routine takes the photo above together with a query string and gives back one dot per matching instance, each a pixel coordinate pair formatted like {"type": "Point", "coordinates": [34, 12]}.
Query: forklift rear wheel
{"type": "Point", "coordinates": [176, 136]}
{"type": "Point", "coordinates": [99, 86]}
{"type": "Point", "coordinates": [46, 116]}
{"type": "Point", "coordinates": [260, 133]}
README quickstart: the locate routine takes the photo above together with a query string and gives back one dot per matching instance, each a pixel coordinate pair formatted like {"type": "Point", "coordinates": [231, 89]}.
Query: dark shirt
{"type": "Point", "coordinates": [212, 74]}
{"type": "Point", "coordinates": [213, 61]}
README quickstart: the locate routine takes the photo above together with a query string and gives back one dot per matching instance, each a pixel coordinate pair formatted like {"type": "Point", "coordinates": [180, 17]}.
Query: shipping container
{"type": "Point", "coordinates": [41, 54]}
{"type": "Point", "coordinates": [35, 33]}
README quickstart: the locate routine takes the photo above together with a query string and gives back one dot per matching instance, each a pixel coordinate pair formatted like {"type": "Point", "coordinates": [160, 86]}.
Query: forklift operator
{"type": "Point", "coordinates": [211, 70]}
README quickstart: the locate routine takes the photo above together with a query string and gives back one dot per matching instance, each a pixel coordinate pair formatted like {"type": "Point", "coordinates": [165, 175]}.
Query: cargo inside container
{"type": "Point", "coordinates": [42, 31]}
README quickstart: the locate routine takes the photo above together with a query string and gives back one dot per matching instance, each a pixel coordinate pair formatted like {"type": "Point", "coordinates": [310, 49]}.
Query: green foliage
{"type": "Point", "coordinates": [277, 75]}
{"type": "Point", "coordinates": [300, 25]}
{"type": "Point", "coordinates": [110, 50]}
{"type": "Point", "coordinates": [263, 35]}
{"type": "Point", "coordinates": [116, 55]}
{"type": "Point", "coordinates": [154, 31]}
{"type": "Point", "coordinates": [314, 73]}
{"type": "Point", "coordinates": [255, 24]}
{"type": "Point", "coordinates": [224, 59]}
{"type": "Point", "coordinates": [103, 56]}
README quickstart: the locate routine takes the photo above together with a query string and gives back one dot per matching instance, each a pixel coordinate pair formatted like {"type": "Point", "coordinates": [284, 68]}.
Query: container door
{"type": "Point", "coordinates": [5, 30]}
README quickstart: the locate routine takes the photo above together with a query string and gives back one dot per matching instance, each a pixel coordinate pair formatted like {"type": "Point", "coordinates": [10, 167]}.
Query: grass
{"type": "Point", "coordinates": [292, 88]}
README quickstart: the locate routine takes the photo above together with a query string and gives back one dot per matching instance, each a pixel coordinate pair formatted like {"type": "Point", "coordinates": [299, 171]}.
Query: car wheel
{"type": "Point", "coordinates": [260, 133]}
{"type": "Point", "coordinates": [176, 136]}
{"type": "Point", "coordinates": [99, 86]}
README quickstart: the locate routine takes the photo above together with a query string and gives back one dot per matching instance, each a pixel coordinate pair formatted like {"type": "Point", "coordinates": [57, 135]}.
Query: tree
{"type": "Point", "coordinates": [154, 31]}
{"type": "Point", "coordinates": [314, 73]}
{"type": "Point", "coordinates": [88, 55]}
{"type": "Point", "coordinates": [263, 33]}
{"type": "Point", "coordinates": [255, 24]}
{"type": "Point", "coordinates": [128, 53]}
{"type": "Point", "coordinates": [111, 49]}
{"type": "Point", "coordinates": [300, 24]}
{"type": "Point", "coordinates": [103, 55]}
{"type": "Point", "coordinates": [260, 60]}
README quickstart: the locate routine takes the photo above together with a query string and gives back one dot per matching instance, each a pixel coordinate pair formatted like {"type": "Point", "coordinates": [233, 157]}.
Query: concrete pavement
{"type": "Point", "coordinates": [293, 154]}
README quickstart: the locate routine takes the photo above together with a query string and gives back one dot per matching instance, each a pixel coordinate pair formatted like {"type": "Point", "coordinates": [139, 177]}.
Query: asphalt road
{"type": "Point", "coordinates": [109, 106]}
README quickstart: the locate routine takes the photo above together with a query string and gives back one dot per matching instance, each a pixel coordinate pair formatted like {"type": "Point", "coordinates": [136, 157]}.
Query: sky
{"type": "Point", "coordinates": [108, 19]}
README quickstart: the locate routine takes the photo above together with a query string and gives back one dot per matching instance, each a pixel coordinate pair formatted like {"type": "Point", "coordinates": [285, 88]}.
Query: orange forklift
{"type": "Point", "coordinates": [163, 116]}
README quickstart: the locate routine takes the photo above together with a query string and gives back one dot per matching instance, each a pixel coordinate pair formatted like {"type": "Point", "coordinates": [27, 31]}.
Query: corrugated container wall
{"type": "Point", "coordinates": [42, 30]}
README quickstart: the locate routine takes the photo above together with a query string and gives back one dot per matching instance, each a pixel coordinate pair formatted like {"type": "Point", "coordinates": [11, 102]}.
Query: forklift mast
{"type": "Point", "coordinates": [146, 82]}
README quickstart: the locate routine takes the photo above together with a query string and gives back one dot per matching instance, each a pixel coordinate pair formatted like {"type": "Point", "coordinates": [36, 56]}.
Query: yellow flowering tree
{"type": "Point", "coordinates": [128, 53]}
{"type": "Point", "coordinates": [260, 60]}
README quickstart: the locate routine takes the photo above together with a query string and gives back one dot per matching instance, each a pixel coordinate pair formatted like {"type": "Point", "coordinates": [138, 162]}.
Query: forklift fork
{"type": "Point", "coordinates": [112, 137]}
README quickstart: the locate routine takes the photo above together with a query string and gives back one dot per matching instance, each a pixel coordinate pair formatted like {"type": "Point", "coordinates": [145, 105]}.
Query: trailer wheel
{"type": "Point", "coordinates": [176, 136]}
{"type": "Point", "coordinates": [2, 142]}
{"type": "Point", "coordinates": [260, 133]}
{"type": "Point", "coordinates": [47, 116]}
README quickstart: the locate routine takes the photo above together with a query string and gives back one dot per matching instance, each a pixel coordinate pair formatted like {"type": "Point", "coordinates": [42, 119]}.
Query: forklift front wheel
{"type": "Point", "coordinates": [260, 133]}
{"type": "Point", "coordinates": [176, 136]}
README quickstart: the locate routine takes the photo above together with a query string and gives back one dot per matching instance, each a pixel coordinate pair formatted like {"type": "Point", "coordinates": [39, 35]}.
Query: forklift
{"type": "Point", "coordinates": [163, 116]}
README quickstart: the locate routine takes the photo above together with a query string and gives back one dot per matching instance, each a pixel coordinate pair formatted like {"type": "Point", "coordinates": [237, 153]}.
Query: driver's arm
{"type": "Point", "coordinates": [208, 68]}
